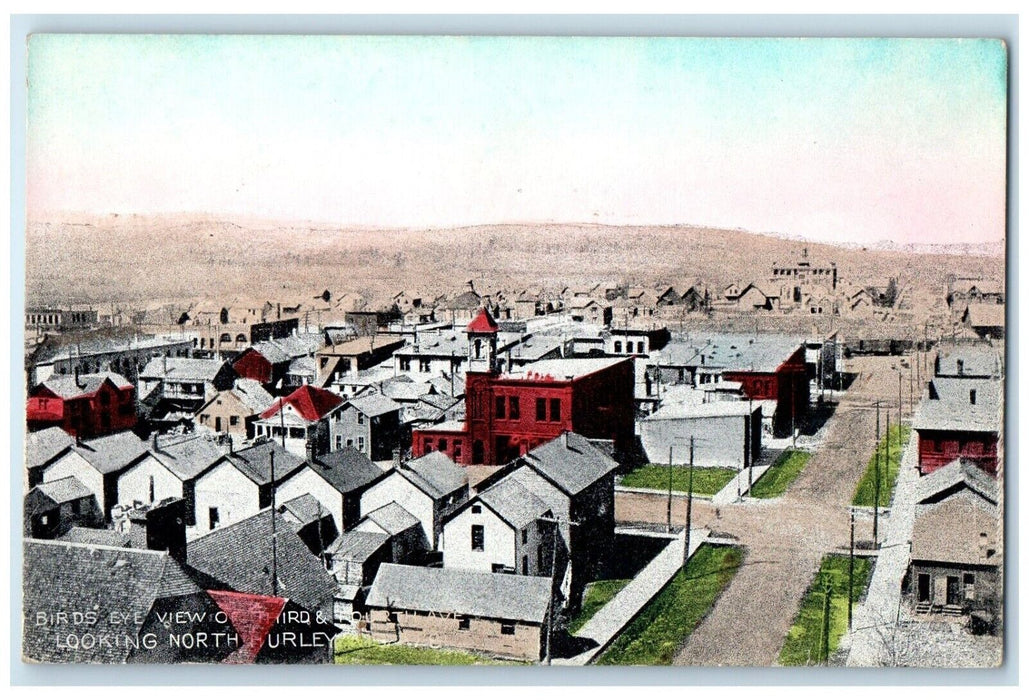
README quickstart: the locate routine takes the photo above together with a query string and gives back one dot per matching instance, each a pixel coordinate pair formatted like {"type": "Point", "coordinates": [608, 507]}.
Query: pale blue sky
{"type": "Point", "coordinates": [828, 139]}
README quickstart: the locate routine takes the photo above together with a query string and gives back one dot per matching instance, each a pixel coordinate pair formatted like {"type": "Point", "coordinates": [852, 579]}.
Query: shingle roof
{"type": "Point", "coordinates": [182, 368]}
{"type": "Point", "coordinates": [976, 361]}
{"type": "Point", "coordinates": [953, 409]}
{"type": "Point", "coordinates": [516, 504]}
{"type": "Point", "coordinates": [496, 596]}
{"type": "Point", "coordinates": [375, 405]}
{"type": "Point", "coordinates": [189, 456]}
{"type": "Point", "coordinates": [953, 477]}
{"type": "Point", "coordinates": [64, 490]}
{"type": "Point", "coordinates": [255, 462]}
{"type": "Point", "coordinates": [434, 474]}
{"type": "Point", "coordinates": [346, 470]}
{"type": "Point", "coordinates": [68, 386]}
{"type": "Point", "coordinates": [571, 462]}
{"type": "Point", "coordinates": [305, 508]}
{"type": "Point", "coordinates": [986, 315]}
{"type": "Point", "coordinates": [357, 545]}
{"type": "Point", "coordinates": [64, 577]}
{"type": "Point", "coordinates": [393, 518]}
{"type": "Point", "coordinates": [957, 531]}
{"type": "Point", "coordinates": [44, 445]}
{"type": "Point", "coordinates": [111, 453]}
{"type": "Point", "coordinates": [483, 323]}
{"type": "Point", "coordinates": [252, 395]}
{"type": "Point", "coordinates": [311, 403]}
{"type": "Point", "coordinates": [90, 535]}
{"type": "Point", "coordinates": [240, 556]}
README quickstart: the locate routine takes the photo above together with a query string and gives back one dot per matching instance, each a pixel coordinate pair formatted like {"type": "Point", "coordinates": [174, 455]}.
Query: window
{"type": "Point", "coordinates": [212, 518]}
{"type": "Point", "coordinates": [151, 490]}
{"type": "Point", "coordinates": [405, 364]}
{"type": "Point", "coordinates": [541, 409]}
{"type": "Point", "coordinates": [463, 623]}
{"type": "Point", "coordinates": [555, 409]}
{"type": "Point", "coordinates": [427, 445]}
{"type": "Point", "coordinates": [76, 508]}
{"type": "Point", "coordinates": [442, 445]}
{"type": "Point", "coordinates": [501, 404]}
{"type": "Point", "coordinates": [525, 565]}
{"type": "Point", "coordinates": [618, 346]}
{"type": "Point", "coordinates": [457, 449]}
{"type": "Point", "coordinates": [639, 347]}
{"type": "Point", "coordinates": [360, 444]}
{"type": "Point", "coordinates": [525, 535]}
{"type": "Point", "coordinates": [507, 628]}
{"type": "Point", "coordinates": [513, 410]}
{"type": "Point", "coordinates": [478, 538]}
{"type": "Point", "coordinates": [360, 418]}
{"type": "Point", "coordinates": [476, 509]}
{"type": "Point", "coordinates": [339, 442]}
{"type": "Point", "coordinates": [424, 365]}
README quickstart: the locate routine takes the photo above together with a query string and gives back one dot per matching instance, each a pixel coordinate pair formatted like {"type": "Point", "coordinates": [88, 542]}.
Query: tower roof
{"type": "Point", "coordinates": [483, 323]}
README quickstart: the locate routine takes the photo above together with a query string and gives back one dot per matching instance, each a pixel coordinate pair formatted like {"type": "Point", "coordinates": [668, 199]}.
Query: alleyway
{"type": "Point", "coordinates": [785, 538]}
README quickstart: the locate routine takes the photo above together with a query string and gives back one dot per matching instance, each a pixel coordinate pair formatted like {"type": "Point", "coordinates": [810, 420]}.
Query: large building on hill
{"type": "Point", "coordinates": [509, 414]}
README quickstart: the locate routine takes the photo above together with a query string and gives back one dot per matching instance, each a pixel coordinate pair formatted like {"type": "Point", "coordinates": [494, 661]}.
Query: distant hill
{"type": "Point", "coordinates": [141, 259]}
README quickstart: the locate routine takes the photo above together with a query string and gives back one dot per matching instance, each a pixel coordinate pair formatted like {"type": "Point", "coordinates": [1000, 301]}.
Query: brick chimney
{"type": "Point", "coordinates": [162, 528]}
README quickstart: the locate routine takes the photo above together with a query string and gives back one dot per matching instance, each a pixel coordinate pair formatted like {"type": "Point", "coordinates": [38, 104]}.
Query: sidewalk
{"type": "Point", "coordinates": [611, 619]}
{"type": "Point", "coordinates": [740, 485]}
{"type": "Point", "coordinates": [875, 618]}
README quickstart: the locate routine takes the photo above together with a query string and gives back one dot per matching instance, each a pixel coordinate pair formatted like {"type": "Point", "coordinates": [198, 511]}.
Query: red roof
{"type": "Point", "coordinates": [252, 616]}
{"type": "Point", "coordinates": [483, 323]}
{"type": "Point", "coordinates": [310, 402]}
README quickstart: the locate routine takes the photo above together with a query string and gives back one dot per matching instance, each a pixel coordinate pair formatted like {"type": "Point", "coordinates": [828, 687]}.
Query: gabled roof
{"type": "Point", "coordinates": [64, 490]}
{"type": "Point", "coordinates": [953, 478]}
{"type": "Point", "coordinates": [393, 518]}
{"type": "Point", "coordinates": [515, 504]}
{"type": "Point", "coordinates": [187, 457]}
{"type": "Point", "coordinates": [483, 323]}
{"type": "Point", "coordinates": [495, 596]}
{"type": "Point", "coordinates": [64, 576]}
{"type": "Point", "coordinates": [346, 470]}
{"type": "Point", "coordinates": [305, 508]}
{"type": "Point", "coordinates": [975, 361]}
{"type": "Point", "coordinates": [240, 556]}
{"type": "Point", "coordinates": [44, 445]}
{"type": "Point", "coordinates": [953, 409]}
{"type": "Point", "coordinates": [570, 462]}
{"type": "Point", "coordinates": [465, 301]}
{"type": "Point", "coordinates": [357, 545]}
{"type": "Point", "coordinates": [985, 315]}
{"type": "Point", "coordinates": [111, 453]}
{"type": "Point", "coordinates": [255, 462]}
{"type": "Point", "coordinates": [89, 535]}
{"type": "Point", "coordinates": [958, 531]}
{"type": "Point", "coordinates": [68, 386]}
{"type": "Point", "coordinates": [182, 368]}
{"type": "Point", "coordinates": [311, 403]}
{"type": "Point", "coordinates": [435, 474]}
{"type": "Point", "coordinates": [252, 395]}
{"type": "Point", "coordinates": [374, 405]}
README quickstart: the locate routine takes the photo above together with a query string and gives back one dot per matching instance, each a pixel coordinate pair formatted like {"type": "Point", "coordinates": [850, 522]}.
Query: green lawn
{"type": "Point", "coordinates": [598, 594]}
{"type": "Point", "coordinates": [366, 651]}
{"type": "Point", "coordinates": [864, 494]}
{"type": "Point", "coordinates": [774, 482]}
{"type": "Point", "coordinates": [660, 629]}
{"type": "Point", "coordinates": [707, 481]}
{"type": "Point", "coordinates": [803, 645]}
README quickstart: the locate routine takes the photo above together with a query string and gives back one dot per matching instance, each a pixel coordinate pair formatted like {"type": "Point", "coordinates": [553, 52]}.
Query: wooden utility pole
{"type": "Point", "coordinates": [825, 620]}
{"type": "Point", "coordinates": [275, 558]}
{"type": "Point", "coordinates": [689, 510]}
{"type": "Point", "coordinates": [875, 514]}
{"type": "Point", "coordinates": [850, 577]}
{"type": "Point", "coordinates": [668, 522]}
{"type": "Point", "coordinates": [553, 573]}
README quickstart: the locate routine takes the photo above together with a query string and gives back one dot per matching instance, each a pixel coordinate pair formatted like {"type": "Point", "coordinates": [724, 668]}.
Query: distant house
{"type": "Point", "coordinates": [724, 433]}
{"type": "Point", "coordinates": [84, 405]}
{"type": "Point", "coordinates": [41, 447]}
{"type": "Point", "coordinates": [354, 557]}
{"type": "Point", "coordinates": [587, 310]}
{"type": "Point", "coordinates": [461, 308]}
{"type": "Point", "coordinates": [54, 507]}
{"type": "Point", "coordinates": [958, 418]}
{"type": "Point", "coordinates": [300, 419]}
{"type": "Point", "coordinates": [186, 381]}
{"type": "Point", "coordinates": [313, 522]}
{"type": "Point", "coordinates": [371, 423]}
{"type": "Point", "coordinates": [240, 484]}
{"type": "Point", "coordinates": [987, 320]}
{"type": "Point", "coordinates": [235, 410]}
{"type": "Point", "coordinates": [978, 361]}
{"type": "Point", "coordinates": [337, 480]}
{"type": "Point", "coordinates": [636, 341]}
{"type": "Point", "coordinates": [269, 361]}
{"type": "Point", "coordinates": [250, 556]}
{"type": "Point", "coordinates": [335, 361]}
{"type": "Point", "coordinates": [492, 613]}
{"type": "Point", "coordinates": [430, 488]}
{"type": "Point", "coordinates": [964, 292]}
{"type": "Point", "coordinates": [959, 478]}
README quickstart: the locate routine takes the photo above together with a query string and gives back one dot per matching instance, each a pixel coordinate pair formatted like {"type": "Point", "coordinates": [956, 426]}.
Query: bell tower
{"type": "Point", "coordinates": [482, 343]}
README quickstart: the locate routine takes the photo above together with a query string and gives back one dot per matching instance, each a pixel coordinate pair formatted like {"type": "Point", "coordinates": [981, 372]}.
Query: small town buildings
{"type": "Point", "coordinates": [234, 411]}
{"type": "Point", "coordinates": [974, 291]}
{"type": "Point", "coordinates": [721, 433]}
{"type": "Point", "coordinates": [432, 354]}
{"type": "Point", "coordinates": [800, 274]}
{"type": "Point", "coordinates": [492, 613]}
{"type": "Point", "coordinates": [41, 447]}
{"type": "Point", "coordinates": [354, 557]}
{"type": "Point", "coordinates": [350, 357]}
{"type": "Point", "coordinates": [587, 310]}
{"type": "Point", "coordinates": [240, 484]}
{"type": "Point", "coordinates": [406, 536]}
{"type": "Point", "coordinates": [337, 480]}
{"type": "Point", "coordinates": [312, 521]}
{"type": "Point", "coordinates": [958, 418]}
{"type": "Point", "coordinates": [430, 488]}
{"type": "Point", "coordinates": [959, 478]}
{"type": "Point", "coordinates": [257, 556]}
{"type": "Point", "coordinates": [97, 463]}
{"type": "Point", "coordinates": [635, 341]}
{"type": "Point", "coordinates": [300, 420]}
{"type": "Point", "coordinates": [124, 357]}
{"type": "Point", "coordinates": [172, 389]}
{"type": "Point", "coordinates": [269, 361]}
{"type": "Point", "coordinates": [371, 423]}
{"type": "Point", "coordinates": [83, 405]}
{"type": "Point", "coordinates": [75, 317]}
{"type": "Point", "coordinates": [955, 557]}
{"type": "Point", "coordinates": [461, 308]}
{"type": "Point", "coordinates": [54, 507]}
{"type": "Point", "coordinates": [510, 414]}
{"type": "Point", "coordinates": [978, 361]}
{"type": "Point", "coordinates": [987, 320]}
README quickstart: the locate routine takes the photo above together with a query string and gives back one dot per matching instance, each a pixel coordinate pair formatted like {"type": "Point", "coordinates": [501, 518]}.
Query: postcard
{"type": "Point", "coordinates": [559, 351]}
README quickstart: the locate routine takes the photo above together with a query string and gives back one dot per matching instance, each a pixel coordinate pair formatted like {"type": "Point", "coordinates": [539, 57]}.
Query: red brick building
{"type": "Point", "coordinates": [958, 418]}
{"type": "Point", "coordinates": [83, 405]}
{"type": "Point", "coordinates": [509, 414]}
